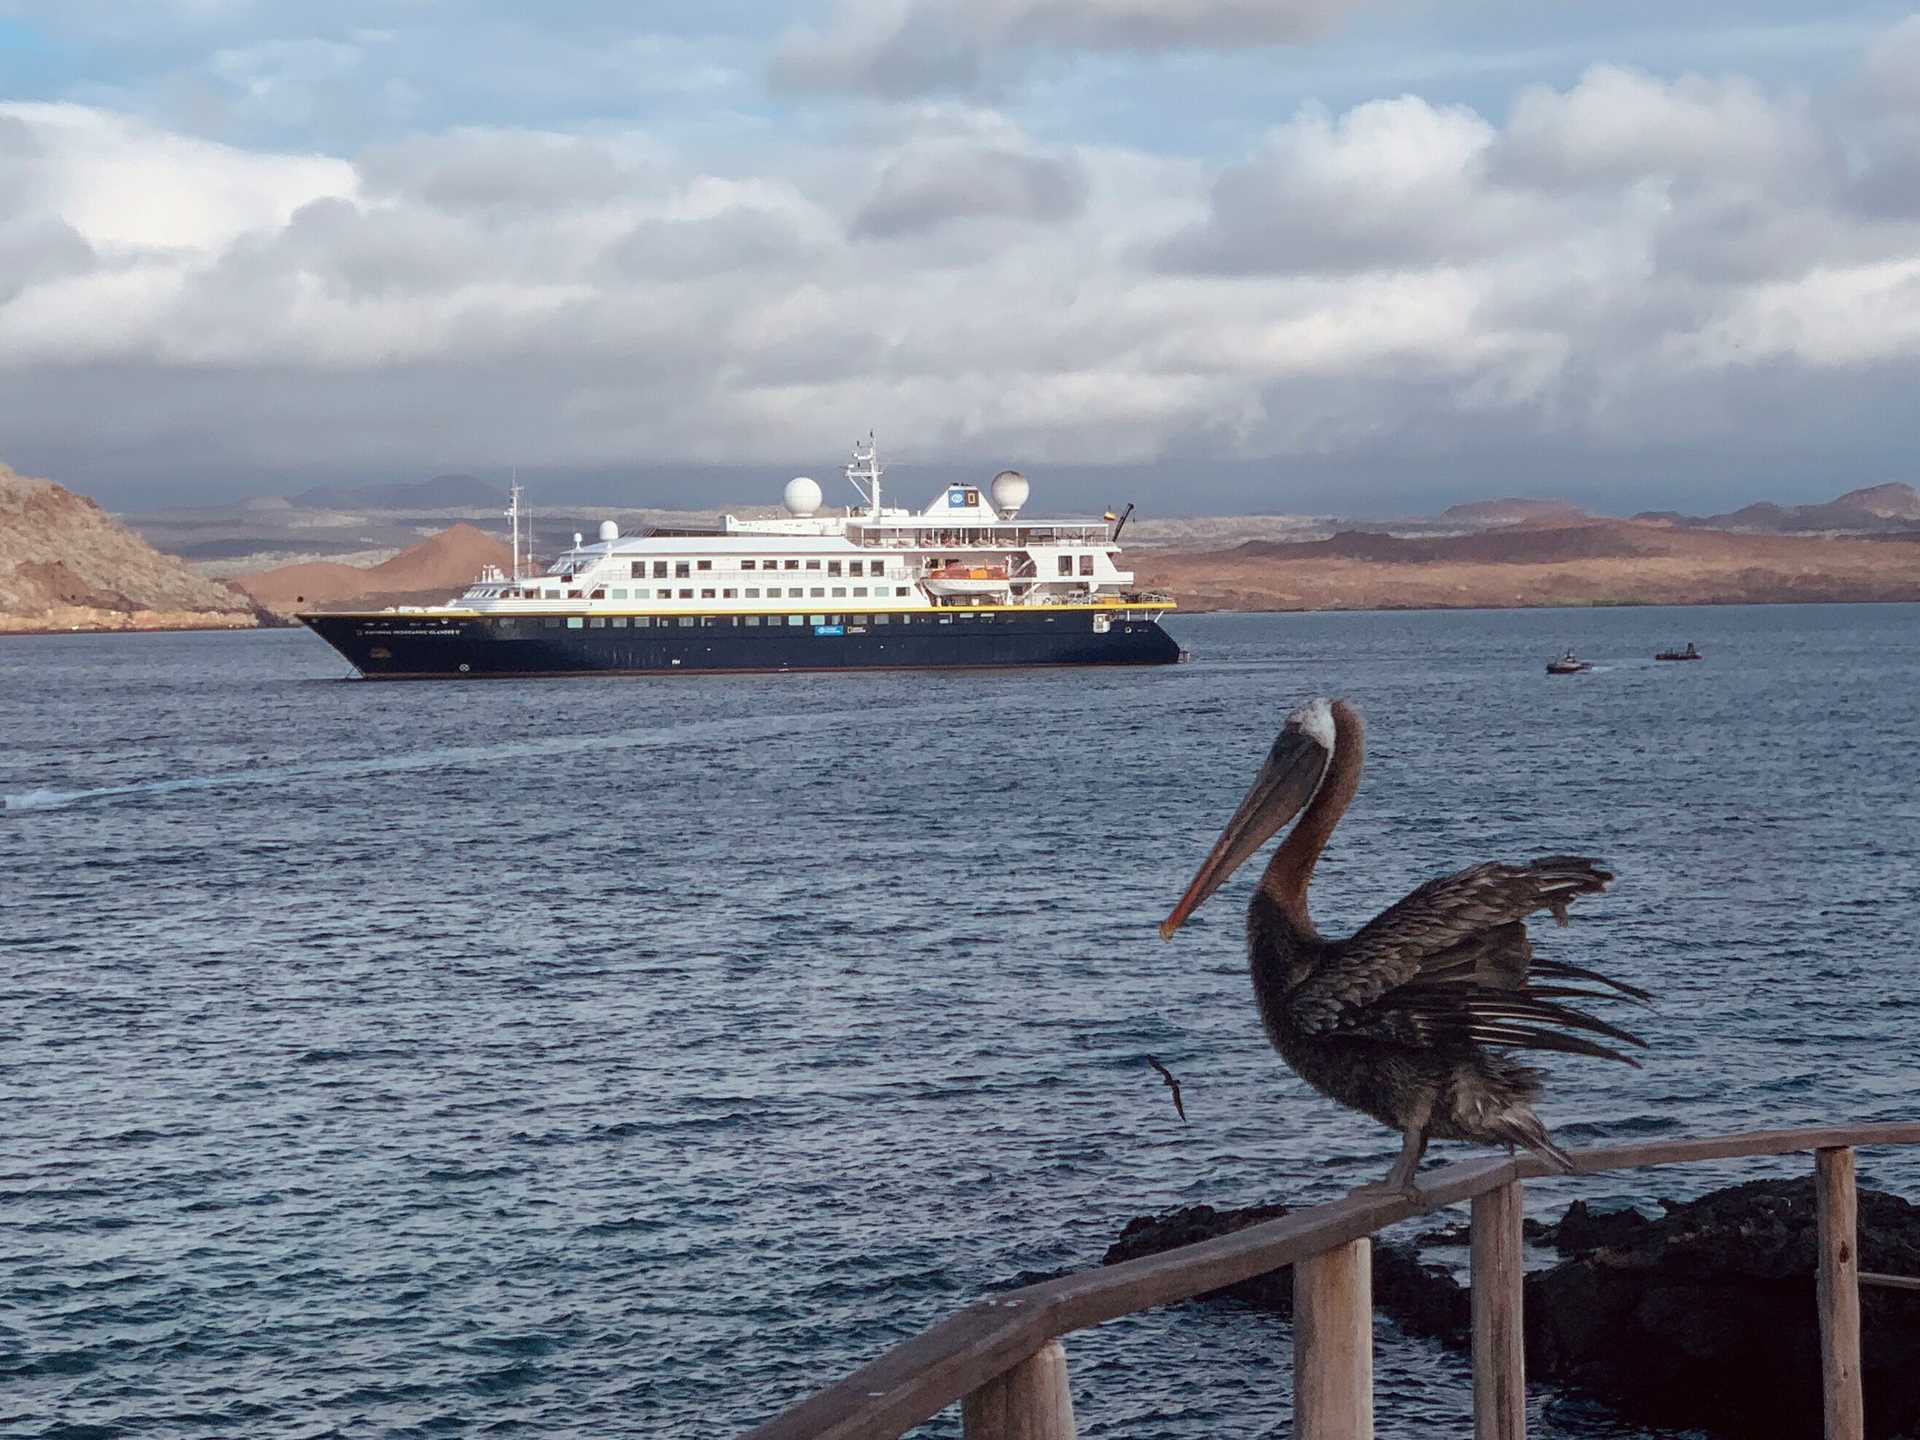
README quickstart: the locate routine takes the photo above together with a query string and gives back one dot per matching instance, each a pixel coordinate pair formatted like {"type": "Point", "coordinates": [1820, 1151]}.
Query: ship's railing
{"type": "Point", "coordinates": [1001, 1359]}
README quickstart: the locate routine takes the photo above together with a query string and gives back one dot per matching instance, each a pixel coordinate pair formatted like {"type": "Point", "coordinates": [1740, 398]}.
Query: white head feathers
{"type": "Point", "coordinates": [1314, 720]}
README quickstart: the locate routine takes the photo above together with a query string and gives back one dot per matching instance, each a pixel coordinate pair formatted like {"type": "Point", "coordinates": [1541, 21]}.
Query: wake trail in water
{"type": "Point", "coordinates": [446, 757]}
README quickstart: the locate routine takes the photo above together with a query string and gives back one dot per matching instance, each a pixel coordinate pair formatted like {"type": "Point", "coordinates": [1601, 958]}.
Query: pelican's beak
{"type": "Point", "coordinates": [1281, 791]}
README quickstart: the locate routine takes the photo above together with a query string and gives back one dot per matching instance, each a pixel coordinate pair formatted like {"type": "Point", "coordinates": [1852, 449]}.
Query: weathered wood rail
{"type": "Point", "coordinates": [1001, 1356]}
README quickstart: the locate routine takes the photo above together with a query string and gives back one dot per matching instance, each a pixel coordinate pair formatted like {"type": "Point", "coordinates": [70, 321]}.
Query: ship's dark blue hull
{"type": "Point", "coordinates": [454, 647]}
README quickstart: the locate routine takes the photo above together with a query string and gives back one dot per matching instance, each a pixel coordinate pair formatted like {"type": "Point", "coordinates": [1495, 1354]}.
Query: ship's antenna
{"type": "Point", "coordinates": [513, 513]}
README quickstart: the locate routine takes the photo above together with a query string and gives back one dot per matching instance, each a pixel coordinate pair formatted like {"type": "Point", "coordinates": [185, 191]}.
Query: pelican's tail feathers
{"type": "Point", "coordinates": [1520, 1126]}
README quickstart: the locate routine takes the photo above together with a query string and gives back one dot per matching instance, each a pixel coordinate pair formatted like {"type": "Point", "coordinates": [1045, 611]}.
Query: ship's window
{"type": "Point", "coordinates": [552, 622]}
{"type": "Point", "coordinates": [746, 564]}
{"type": "Point", "coordinates": [1086, 564]}
{"type": "Point", "coordinates": [1066, 564]}
{"type": "Point", "coordinates": [642, 622]}
{"type": "Point", "coordinates": [551, 594]}
{"type": "Point", "coordinates": [686, 622]}
{"type": "Point", "coordinates": [816, 619]}
{"type": "Point", "coordinates": [659, 569]}
{"type": "Point", "coordinates": [859, 590]}
{"type": "Point", "coordinates": [681, 570]}
{"type": "Point", "coordinates": [813, 564]}
{"type": "Point", "coordinates": [833, 567]}
{"type": "Point", "coordinates": [703, 565]}
{"type": "Point", "coordinates": [726, 594]}
{"type": "Point", "coordinates": [856, 619]}
{"type": "Point", "coordinates": [619, 594]}
{"type": "Point", "coordinates": [854, 567]}
{"type": "Point", "coordinates": [619, 622]}
{"type": "Point", "coordinates": [686, 594]}
{"type": "Point", "coordinates": [576, 622]}
{"type": "Point", "coordinates": [796, 619]}
{"type": "Point", "coordinates": [753, 592]}
{"type": "Point", "coordinates": [839, 592]}
{"type": "Point", "coordinates": [876, 567]}
{"type": "Point", "coordinates": [639, 570]}
{"type": "Point", "coordinates": [599, 622]}
{"type": "Point", "coordinates": [573, 594]}
{"type": "Point", "coordinates": [751, 620]}
{"type": "Point", "coordinates": [900, 590]}
{"type": "Point", "coordinates": [946, 619]}
{"type": "Point", "coordinates": [819, 592]}
{"type": "Point", "coordinates": [642, 594]}
{"type": "Point", "coordinates": [883, 619]}
{"type": "Point", "coordinates": [706, 594]}
{"type": "Point", "coordinates": [793, 564]}
{"type": "Point", "coordinates": [598, 595]}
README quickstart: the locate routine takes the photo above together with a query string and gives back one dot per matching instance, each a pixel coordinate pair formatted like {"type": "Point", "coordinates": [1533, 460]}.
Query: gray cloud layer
{"type": "Point", "coordinates": [1628, 266]}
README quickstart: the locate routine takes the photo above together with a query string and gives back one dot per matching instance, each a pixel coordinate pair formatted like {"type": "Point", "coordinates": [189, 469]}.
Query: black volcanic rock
{"type": "Point", "coordinates": [1703, 1317]}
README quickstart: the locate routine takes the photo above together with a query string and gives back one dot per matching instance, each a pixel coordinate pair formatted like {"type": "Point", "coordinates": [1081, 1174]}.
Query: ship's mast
{"type": "Point", "coordinates": [864, 471]}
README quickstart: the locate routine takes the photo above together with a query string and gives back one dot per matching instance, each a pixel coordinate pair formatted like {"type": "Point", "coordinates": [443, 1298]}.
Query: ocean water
{"type": "Point", "coordinates": [635, 1057]}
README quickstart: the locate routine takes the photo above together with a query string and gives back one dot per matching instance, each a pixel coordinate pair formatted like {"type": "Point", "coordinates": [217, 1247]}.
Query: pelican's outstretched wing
{"type": "Point", "coordinates": [1452, 962]}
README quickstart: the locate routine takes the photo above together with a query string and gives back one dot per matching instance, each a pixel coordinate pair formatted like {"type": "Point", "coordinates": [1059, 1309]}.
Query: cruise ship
{"type": "Point", "coordinates": [966, 582]}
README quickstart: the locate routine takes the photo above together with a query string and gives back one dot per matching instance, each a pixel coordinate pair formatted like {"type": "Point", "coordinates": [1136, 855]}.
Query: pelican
{"type": "Point", "coordinates": [1410, 1018]}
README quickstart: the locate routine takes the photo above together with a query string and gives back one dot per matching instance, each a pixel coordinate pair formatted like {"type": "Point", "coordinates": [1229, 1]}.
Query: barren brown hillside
{"type": "Point", "coordinates": [438, 567]}
{"type": "Point", "coordinates": [1605, 562]}
{"type": "Point", "coordinates": [65, 565]}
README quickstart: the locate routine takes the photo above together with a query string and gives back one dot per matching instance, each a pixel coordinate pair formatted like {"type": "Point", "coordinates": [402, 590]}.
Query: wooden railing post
{"type": "Point", "coordinates": [1333, 1344]}
{"type": "Point", "coordinates": [1029, 1402]}
{"type": "Point", "coordinates": [1499, 1347]}
{"type": "Point", "coordinates": [1838, 1291]}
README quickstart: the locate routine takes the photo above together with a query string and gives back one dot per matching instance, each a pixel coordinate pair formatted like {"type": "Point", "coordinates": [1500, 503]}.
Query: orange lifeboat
{"type": "Point", "coordinates": [967, 580]}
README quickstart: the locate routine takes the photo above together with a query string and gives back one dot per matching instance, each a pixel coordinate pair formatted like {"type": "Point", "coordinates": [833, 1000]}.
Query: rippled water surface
{"type": "Point", "coordinates": [634, 1057]}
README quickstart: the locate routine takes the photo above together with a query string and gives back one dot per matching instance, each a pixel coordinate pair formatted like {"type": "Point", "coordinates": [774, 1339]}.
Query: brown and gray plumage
{"type": "Point", "coordinates": [1173, 1085]}
{"type": "Point", "coordinates": [1411, 1018]}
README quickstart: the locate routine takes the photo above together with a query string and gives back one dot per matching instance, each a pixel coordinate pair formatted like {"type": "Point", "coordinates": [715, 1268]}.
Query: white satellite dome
{"type": "Point", "coordinates": [802, 496]}
{"type": "Point", "coordinates": [1009, 491]}
{"type": "Point", "coordinates": [609, 531]}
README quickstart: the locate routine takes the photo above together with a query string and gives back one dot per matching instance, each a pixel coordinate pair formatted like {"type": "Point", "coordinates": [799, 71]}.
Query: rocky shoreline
{"type": "Point", "coordinates": [1702, 1317]}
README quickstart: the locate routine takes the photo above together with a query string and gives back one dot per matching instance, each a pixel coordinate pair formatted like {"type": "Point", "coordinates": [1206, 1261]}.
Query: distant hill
{"type": "Point", "coordinates": [442, 492]}
{"type": "Point", "coordinates": [437, 568]}
{"type": "Point", "coordinates": [1894, 506]}
{"type": "Point", "coordinates": [66, 565]}
{"type": "Point", "coordinates": [1599, 562]}
{"type": "Point", "coordinates": [1894, 501]}
{"type": "Point", "coordinates": [1514, 510]}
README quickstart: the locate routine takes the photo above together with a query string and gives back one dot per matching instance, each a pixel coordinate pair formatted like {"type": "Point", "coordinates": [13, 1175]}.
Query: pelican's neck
{"type": "Point", "coordinates": [1291, 868]}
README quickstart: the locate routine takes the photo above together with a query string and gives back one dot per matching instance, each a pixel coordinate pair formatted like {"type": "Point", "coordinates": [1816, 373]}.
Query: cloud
{"type": "Point", "coordinates": [938, 182]}
{"type": "Point", "coordinates": [1621, 265]}
{"type": "Point", "coordinates": [1391, 182]}
{"type": "Point", "coordinates": [916, 47]}
{"type": "Point", "coordinates": [1619, 125]}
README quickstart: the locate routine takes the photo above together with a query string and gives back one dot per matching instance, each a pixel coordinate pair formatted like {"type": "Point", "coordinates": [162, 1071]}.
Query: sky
{"type": "Point", "coordinates": [1353, 256]}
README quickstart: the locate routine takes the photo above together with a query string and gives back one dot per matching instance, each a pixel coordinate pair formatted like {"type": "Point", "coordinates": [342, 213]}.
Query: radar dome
{"type": "Point", "coordinates": [609, 530]}
{"type": "Point", "coordinates": [802, 496]}
{"type": "Point", "coordinates": [1009, 492]}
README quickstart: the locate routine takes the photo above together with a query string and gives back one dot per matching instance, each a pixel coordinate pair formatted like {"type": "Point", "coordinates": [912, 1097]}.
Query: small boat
{"type": "Point", "coordinates": [1567, 664]}
{"type": "Point", "coordinates": [1687, 654]}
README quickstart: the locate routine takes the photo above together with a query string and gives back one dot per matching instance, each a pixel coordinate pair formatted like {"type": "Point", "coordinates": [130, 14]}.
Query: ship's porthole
{"type": "Point", "coordinates": [464, 668]}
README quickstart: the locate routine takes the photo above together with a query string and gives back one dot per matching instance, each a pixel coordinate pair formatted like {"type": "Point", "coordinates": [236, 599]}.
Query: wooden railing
{"type": "Point", "coordinates": [1001, 1356]}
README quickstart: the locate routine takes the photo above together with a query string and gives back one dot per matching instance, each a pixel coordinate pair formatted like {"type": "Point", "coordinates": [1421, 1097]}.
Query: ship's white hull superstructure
{"type": "Point", "coordinates": [886, 581]}
{"type": "Point", "coordinates": [963, 549]}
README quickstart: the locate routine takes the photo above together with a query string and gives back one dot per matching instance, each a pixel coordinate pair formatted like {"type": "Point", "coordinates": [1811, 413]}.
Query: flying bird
{"type": "Point", "coordinates": [1410, 1019]}
{"type": "Point", "coordinates": [1173, 1085]}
